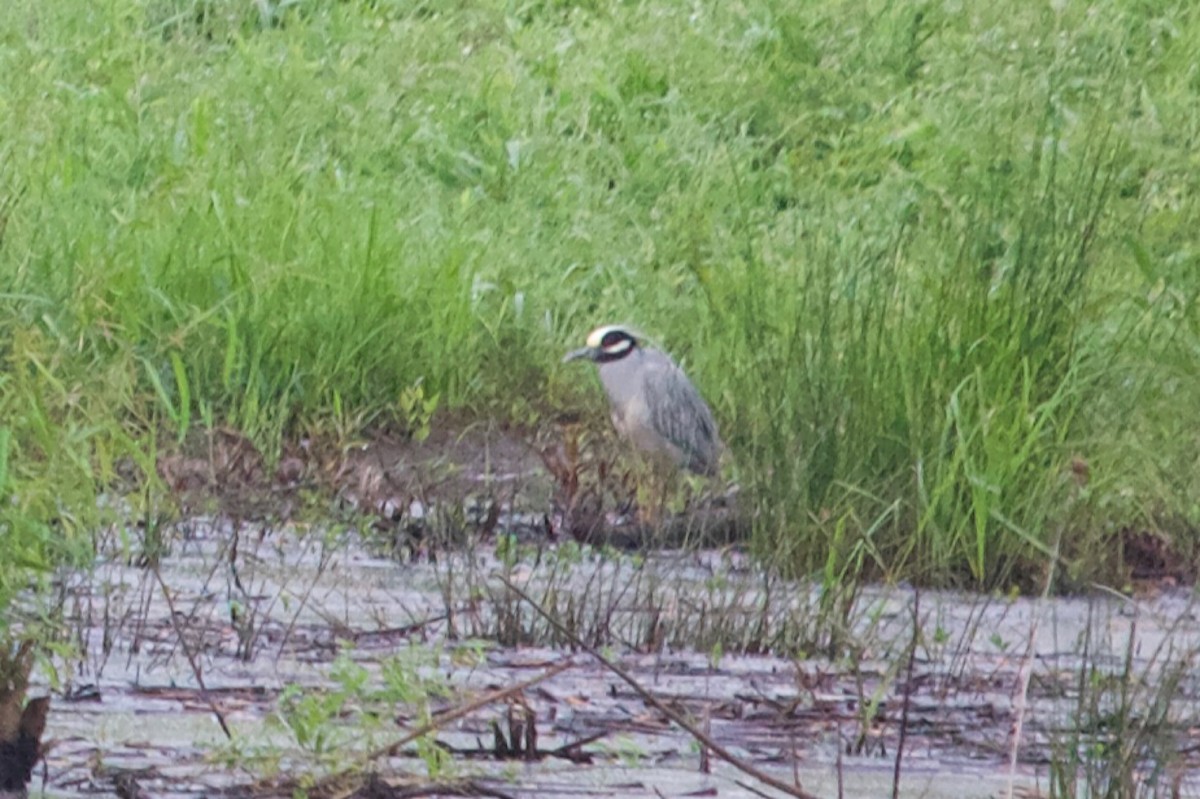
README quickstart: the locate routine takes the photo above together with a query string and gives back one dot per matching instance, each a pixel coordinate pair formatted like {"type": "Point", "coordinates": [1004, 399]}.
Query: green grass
{"type": "Point", "coordinates": [918, 256]}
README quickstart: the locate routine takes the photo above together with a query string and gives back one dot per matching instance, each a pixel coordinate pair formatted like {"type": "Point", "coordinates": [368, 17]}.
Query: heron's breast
{"type": "Point", "coordinates": [630, 415]}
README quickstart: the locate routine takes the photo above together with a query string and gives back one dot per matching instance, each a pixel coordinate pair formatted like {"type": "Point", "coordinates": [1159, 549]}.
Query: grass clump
{"type": "Point", "coordinates": [922, 258]}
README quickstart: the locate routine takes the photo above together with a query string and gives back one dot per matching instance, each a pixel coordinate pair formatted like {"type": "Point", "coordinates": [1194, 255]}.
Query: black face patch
{"type": "Point", "coordinates": [615, 345]}
{"type": "Point", "coordinates": [614, 337]}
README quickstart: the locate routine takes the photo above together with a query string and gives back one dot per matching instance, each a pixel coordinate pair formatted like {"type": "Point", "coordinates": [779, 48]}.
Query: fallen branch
{"type": "Point", "coordinates": [333, 785]}
{"type": "Point", "coordinates": [442, 719]}
{"type": "Point", "coordinates": [191, 657]}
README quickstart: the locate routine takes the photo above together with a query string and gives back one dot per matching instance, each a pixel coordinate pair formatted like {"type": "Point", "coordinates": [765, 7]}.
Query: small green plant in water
{"type": "Point", "coordinates": [323, 722]}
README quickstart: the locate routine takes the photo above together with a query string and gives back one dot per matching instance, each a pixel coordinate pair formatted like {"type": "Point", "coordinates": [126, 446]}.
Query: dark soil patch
{"type": "Point", "coordinates": [562, 484]}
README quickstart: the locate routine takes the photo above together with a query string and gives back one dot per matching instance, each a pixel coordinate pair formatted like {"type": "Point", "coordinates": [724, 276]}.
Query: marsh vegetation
{"type": "Point", "coordinates": [932, 264]}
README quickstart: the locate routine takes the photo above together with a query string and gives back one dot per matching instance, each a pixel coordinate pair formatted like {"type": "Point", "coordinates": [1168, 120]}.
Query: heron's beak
{"type": "Point", "coordinates": [585, 352]}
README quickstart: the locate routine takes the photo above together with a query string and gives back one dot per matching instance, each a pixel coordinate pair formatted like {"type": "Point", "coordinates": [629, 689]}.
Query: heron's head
{"type": "Point", "coordinates": [606, 344]}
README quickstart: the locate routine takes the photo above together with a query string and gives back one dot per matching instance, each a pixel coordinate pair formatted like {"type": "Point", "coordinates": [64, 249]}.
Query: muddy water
{"type": "Point", "coordinates": [255, 610]}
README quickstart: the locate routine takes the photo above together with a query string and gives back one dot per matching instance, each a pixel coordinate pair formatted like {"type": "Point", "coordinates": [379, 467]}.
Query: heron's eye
{"type": "Point", "coordinates": [616, 340]}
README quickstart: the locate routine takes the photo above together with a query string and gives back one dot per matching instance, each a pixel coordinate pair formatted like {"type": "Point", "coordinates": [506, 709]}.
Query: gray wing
{"type": "Point", "coordinates": [680, 415]}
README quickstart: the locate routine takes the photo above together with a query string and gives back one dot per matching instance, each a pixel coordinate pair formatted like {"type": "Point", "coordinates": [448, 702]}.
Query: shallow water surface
{"type": "Point", "coordinates": [283, 604]}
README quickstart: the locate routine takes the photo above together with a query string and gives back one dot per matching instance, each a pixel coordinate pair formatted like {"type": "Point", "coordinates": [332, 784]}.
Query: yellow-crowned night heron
{"type": "Point", "coordinates": [654, 405]}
